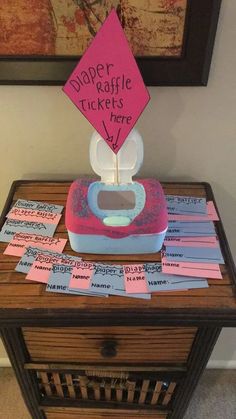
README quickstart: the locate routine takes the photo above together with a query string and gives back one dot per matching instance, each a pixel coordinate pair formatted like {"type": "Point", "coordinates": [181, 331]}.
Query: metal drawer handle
{"type": "Point", "coordinates": [109, 349]}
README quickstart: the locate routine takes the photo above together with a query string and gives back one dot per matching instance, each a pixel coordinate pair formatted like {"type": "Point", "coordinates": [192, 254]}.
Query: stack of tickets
{"type": "Point", "coordinates": [190, 254]}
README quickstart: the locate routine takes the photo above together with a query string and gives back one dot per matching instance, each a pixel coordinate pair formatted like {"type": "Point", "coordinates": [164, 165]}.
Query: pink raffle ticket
{"type": "Point", "coordinates": [21, 241]}
{"type": "Point", "coordinates": [135, 279]}
{"type": "Point", "coordinates": [202, 270]}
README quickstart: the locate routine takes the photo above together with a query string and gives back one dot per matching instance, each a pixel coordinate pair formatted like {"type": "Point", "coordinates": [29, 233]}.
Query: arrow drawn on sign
{"type": "Point", "coordinates": [115, 145]}
{"type": "Point", "coordinates": [109, 137]}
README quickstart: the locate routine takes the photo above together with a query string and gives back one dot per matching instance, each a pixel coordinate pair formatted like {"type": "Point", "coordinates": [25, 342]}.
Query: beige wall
{"type": "Point", "coordinates": [189, 134]}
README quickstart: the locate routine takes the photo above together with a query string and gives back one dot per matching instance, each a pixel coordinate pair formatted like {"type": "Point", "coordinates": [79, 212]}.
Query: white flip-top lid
{"type": "Point", "coordinates": [120, 167]}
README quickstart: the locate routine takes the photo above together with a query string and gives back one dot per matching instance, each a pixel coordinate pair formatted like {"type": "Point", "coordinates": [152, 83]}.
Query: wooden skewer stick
{"type": "Point", "coordinates": [117, 170]}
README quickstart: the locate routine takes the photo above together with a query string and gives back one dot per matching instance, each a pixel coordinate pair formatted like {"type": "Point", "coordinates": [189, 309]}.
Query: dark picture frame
{"type": "Point", "coordinates": [191, 69]}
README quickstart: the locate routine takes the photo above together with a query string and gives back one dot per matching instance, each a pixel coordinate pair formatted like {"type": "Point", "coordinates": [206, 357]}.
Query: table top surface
{"type": "Point", "coordinates": [27, 302]}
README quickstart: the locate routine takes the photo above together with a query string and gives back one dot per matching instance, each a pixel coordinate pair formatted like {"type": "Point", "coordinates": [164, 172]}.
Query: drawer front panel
{"type": "Point", "coordinates": [110, 344]}
{"type": "Point", "coordinates": [120, 387]}
{"type": "Point", "coordinates": [73, 413]}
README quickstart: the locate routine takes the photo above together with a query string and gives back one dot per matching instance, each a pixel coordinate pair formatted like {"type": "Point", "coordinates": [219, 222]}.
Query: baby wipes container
{"type": "Point", "coordinates": [116, 215]}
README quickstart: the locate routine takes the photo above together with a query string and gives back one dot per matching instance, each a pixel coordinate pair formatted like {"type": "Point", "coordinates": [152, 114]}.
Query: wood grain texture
{"type": "Point", "coordinates": [29, 301]}
{"type": "Point", "coordinates": [134, 344]}
{"type": "Point", "coordinates": [169, 337]}
{"type": "Point", "coordinates": [70, 413]}
{"type": "Point", "coordinates": [59, 366]}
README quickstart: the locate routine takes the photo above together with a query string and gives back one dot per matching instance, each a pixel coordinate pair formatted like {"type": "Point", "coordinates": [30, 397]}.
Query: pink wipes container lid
{"type": "Point", "coordinates": [81, 220]}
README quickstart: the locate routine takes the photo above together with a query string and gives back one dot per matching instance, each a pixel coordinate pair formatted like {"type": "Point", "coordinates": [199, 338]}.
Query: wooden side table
{"type": "Point", "coordinates": [89, 357]}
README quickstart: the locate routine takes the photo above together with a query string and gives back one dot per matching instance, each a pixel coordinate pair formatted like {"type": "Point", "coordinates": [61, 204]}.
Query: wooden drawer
{"type": "Point", "coordinates": [144, 389]}
{"type": "Point", "coordinates": [107, 394]}
{"type": "Point", "coordinates": [78, 413]}
{"type": "Point", "coordinates": [110, 344]}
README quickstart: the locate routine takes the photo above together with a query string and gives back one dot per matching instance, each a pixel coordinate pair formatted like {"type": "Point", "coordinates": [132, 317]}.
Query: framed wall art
{"type": "Point", "coordinates": [41, 40]}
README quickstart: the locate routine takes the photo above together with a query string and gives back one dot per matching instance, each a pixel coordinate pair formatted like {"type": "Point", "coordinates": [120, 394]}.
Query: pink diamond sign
{"type": "Point", "coordinates": [106, 85]}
